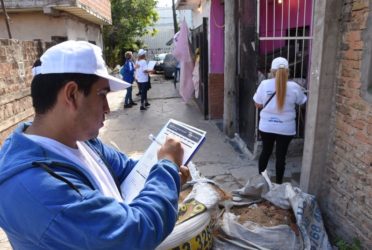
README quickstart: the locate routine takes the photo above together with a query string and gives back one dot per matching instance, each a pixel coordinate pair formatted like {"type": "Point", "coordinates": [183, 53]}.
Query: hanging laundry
{"type": "Point", "coordinates": [183, 54]}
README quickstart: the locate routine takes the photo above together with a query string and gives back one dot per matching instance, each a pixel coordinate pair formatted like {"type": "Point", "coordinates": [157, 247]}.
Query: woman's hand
{"type": "Point", "coordinates": [259, 106]}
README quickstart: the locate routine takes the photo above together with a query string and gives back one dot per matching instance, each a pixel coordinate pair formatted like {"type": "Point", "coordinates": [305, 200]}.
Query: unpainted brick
{"type": "Point", "coordinates": [359, 124]}
{"type": "Point", "coordinates": [359, 5]}
{"type": "Point", "coordinates": [352, 55]}
{"type": "Point", "coordinates": [363, 138]}
{"type": "Point", "coordinates": [354, 84]}
{"type": "Point", "coordinates": [369, 129]}
{"type": "Point", "coordinates": [10, 82]}
{"type": "Point", "coordinates": [359, 20]}
{"type": "Point", "coordinates": [359, 105]}
{"type": "Point", "coordinates": [352, 36]}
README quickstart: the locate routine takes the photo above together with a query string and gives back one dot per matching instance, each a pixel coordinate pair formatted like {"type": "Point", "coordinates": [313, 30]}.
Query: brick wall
{"type": "Point", "coordinates": [16, 60]}
{"type": "Point", "coordinates": [347, 194]}
{"type": "Point", "coordinates": [215, 96]}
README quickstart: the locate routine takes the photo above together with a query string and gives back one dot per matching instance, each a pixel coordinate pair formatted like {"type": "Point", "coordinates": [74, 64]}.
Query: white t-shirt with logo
{"type": "Point", "coordinates": [142, 76]}
{"type": "Point", "coordinates": [85, 157]}
{"type": "Point", "coordinates": [271, 119]}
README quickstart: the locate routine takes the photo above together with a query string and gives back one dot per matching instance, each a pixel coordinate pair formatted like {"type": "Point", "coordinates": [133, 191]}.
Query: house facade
{"type": "Point", "coordinates": [207, 35]}
{"type": "Point", "coordinates": [56, 21]}
{"type": "Point", "coordinates": [337, 156]}
{"type": "Point", "coordinates": [35, 26]}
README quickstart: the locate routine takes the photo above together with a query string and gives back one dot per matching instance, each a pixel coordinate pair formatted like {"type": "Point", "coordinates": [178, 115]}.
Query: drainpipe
{"type": "Point", "coordinates": [6, 19]}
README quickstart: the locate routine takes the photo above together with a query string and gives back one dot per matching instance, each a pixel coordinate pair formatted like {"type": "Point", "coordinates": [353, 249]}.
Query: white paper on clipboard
{"type": "Point", "coordinates": [151, 65]}
{"type": "Point", "coordinates": [191, 139]}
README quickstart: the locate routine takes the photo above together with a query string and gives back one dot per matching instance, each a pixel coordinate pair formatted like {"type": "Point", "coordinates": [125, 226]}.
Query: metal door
{"type": "Point", "coordinates": [284, 29]}
{"type": "Point", "coordinates": [247, 70]}
{"type": "Point", "coordinates": [199, 39]}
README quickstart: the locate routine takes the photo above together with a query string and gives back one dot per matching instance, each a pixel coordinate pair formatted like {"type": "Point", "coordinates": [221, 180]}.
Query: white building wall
{"type": "Point", "coordinates": [198, 14]}
{"type": "Point", "coordinates": [36, 25]}
{"type": "Point", "coordinates": [157, 44]}
{"type": "Point", "coordinates": [185, 15]}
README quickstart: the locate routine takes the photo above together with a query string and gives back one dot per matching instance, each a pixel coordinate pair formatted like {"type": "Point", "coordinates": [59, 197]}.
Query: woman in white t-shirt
{"type": "Point", "coordinates": [142, 75]}
{"type": "Point", "coordinates": [277, 99]}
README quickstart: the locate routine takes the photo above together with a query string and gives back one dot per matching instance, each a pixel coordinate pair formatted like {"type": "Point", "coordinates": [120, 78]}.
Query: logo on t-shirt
{"type": "Point", "coordinates": [275, 120]}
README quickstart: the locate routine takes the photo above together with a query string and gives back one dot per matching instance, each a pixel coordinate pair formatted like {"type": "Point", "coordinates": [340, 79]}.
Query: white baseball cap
{"type": "Point", "coordinates": [279, 63]}
{"type": "Point", "coordinates": [77, 57]}
{"type": "Point", "coordinates": [141, 52]}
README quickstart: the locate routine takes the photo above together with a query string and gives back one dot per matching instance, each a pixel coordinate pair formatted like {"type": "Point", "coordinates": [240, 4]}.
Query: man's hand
{"type": "Point", "coordinates": [171, 150]}
{"type": "Point", "coordinates": [184, 174]}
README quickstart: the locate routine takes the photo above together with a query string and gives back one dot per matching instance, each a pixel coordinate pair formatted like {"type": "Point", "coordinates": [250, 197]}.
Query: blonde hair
{"type": "Point", "coordinates": [281, 78]}
{"type": "Point", "coordinates": [128, 54]}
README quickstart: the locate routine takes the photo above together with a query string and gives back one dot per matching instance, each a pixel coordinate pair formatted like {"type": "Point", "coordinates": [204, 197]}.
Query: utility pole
{"type": "Point", "coordinates": [230, 98]}
{"type": "Point", "coordinates": [175, 25]}
{"type": "Point", "coordinates": [6, 19]}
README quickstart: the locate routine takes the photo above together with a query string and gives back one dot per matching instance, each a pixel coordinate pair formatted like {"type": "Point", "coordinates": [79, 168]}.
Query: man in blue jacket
{"type": "Point", "coordinates": [60, 186]}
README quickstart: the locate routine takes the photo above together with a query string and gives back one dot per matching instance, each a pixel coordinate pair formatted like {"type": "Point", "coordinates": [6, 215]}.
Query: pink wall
{"type": "Point", "coordinates": [216, 22]}
{"type": "Point", "coordinates": [289, 8]}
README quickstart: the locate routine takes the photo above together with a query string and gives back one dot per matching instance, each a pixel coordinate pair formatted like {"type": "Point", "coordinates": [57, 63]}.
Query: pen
{"type": "Point", "coordinates": [153, 138]}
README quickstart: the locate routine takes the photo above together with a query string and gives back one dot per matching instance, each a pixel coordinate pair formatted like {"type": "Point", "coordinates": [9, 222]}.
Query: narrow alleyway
{"type": "Point", "coordinates": [128, 129]}
{"type": "Point", "coordinates": [218, 159]}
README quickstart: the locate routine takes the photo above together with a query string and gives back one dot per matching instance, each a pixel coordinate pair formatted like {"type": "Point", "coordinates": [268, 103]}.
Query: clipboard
{"type": "Point", "coordinates": [151, 65]}
{"type": "Point", "coordinates": [191, 139]}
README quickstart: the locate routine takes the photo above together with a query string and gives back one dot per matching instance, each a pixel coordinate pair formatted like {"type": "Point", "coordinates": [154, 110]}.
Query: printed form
{"type": "Point", "coordinates": [191, 139]}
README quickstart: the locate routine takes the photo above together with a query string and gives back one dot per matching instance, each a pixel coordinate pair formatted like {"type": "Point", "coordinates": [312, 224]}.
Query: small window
{"type": "Point", "coordinates": [58, 39]}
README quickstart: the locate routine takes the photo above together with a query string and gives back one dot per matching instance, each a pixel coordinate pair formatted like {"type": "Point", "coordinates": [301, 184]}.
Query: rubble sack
{"type": "Point", "coordinates": [300, 225]}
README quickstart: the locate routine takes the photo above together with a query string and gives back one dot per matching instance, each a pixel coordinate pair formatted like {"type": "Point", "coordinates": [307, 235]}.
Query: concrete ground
{"type": "Point", "coordinates": [217, 159]}
{"type": "Point", "coordinates": [128, 129]}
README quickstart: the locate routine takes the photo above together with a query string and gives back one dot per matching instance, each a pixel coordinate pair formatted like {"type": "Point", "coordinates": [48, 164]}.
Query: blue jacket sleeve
{"type": "Point", "coordinates": [99, 222]}
{"type": "Point", "coordinates": [122, 71]}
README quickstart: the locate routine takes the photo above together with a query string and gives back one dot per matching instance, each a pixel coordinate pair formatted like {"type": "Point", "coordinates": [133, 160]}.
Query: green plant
{"type": "Point", "coordinates": [131, 19]}
{"type": "Point", "coordinates": [343, 245]}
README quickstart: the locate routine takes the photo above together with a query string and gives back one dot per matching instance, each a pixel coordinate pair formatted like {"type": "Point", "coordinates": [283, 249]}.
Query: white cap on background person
{"type": "Point", "coordinates": [141, 52]}
{"type": "Point", "coordinates": [279, 63]}
{"type": "Point", "coordinates": [77, 57]}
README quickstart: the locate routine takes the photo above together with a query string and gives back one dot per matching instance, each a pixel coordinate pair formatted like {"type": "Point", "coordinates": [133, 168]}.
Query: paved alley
{"type": "Point", "coordinates": [217, 159]}
{"type": "Point", "coordinates": [128, 129]}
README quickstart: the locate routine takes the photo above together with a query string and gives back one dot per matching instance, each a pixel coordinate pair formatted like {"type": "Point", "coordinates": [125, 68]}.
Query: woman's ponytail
{"type": "Point", "coordinates": [281, 78]}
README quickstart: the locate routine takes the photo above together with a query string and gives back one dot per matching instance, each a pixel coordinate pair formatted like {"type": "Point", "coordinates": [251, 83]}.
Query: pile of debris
{"type": "Point", "coordinates": [261, 215]}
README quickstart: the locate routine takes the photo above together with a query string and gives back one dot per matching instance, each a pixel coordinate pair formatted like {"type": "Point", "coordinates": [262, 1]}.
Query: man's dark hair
{"type": "Point", "coordinates": [45, 87]}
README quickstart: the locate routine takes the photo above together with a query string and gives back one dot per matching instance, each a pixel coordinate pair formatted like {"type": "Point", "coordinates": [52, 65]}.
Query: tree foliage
{"type": "Point", "coordinates": [130, 21]}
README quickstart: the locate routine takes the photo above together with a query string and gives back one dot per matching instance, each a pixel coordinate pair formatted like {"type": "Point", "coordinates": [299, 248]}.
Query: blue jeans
{"type": "Point", "coordinates": [143, 90]}
{"type": "Point", "coordinates": [128, 96]}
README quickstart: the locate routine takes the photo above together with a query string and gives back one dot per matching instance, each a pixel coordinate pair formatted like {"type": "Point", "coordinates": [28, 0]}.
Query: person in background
{"type": "Point", "coordinates": [127, 72]}
{"type": "Point", "coordinates": [142, 78]}
{"type": "Point", "coordinates": [277, 99]}
{"type": "Point", "coordinates": [60, 185]}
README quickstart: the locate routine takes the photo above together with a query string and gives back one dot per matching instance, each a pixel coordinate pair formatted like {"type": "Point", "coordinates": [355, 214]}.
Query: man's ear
{"type": "Point", "coordinates": [70, 94]}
